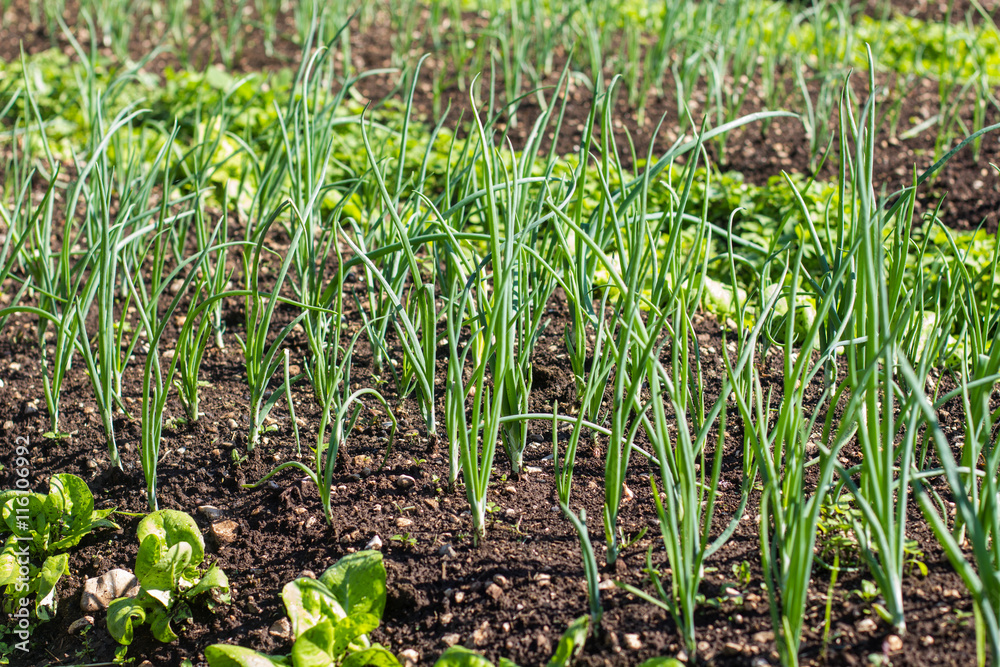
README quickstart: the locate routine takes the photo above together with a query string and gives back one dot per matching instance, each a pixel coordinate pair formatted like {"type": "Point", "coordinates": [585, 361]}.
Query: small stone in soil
{"type": "Point", "coordinates": [632, 642]}
{"type": "Point", "coordinates": [494, 591]}
{"type": "Point", "coordinates": [447, 551]}
{"type": "Point", "coordinates": [501, 581]}
{"type": "Point", "coordinates": [374, 543]}
{"type": "Point", "coordinates": [211, 512]}
{"type": "Point", "coordinates": [281, 629]}
{"type": "Point", "coordinates": [459, 597]}
{"type": "Point", "coordinates": [867, 625]}
{"type": "Point", "coordinates": [451, 639]}
{"type": "Point", "coordinates": [894, 643]}
{"type": "Point", "coordinates": [404, 482]}
{"type": "Point", "coordinates": [732, 648]}
{"type": "Point", "coordinates": [403, 522]}
{"type": "Point", "coordinates": [409, 656]}
{"type": "Point", "coordinates": [224, 532]}
{"type": "Point", "coordinates": [98, 592]}
{"type": "Point", "coordinates": [79, 624]}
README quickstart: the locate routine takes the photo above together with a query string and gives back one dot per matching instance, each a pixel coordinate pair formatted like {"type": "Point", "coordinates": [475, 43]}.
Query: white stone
{"type": "Point", "coordinates": [281, 629]}
{"type": "Point", "coordinates": [98, 592]}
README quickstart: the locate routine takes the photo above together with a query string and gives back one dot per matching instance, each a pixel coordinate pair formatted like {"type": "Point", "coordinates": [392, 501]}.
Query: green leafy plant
{"type": "Point", "coordinates": [331, 618]}
{"type": "Point", "coordinates": [42, 529]}
{"type": "Point", "coordinates": [170, 550]}
{"type": "Point", "coordinates": [405, 540]}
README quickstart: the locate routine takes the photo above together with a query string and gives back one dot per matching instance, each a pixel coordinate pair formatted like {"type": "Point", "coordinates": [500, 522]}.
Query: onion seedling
{"type": "Point", "coordinates": [483, 425]}
{"type": "Point", "coordinates": [155, 382]}
{"type": "Point", "coordinates": [417, 349]}
{"type": "Point", "coordinates": [103, 357]}
{"type": "Point", "coordinates": [42, 267]}
{"type": "Point", "coordinates": [690, 482]}
{"type": "Point", "coordinates": [343, 413]}
{"type": "Point", "coordinates": [564, 483]}
{"type": "Point", "coordinates": [190, 350]}
{"type": "Point", "coordinates": [980, 523]}
{"type": "Point", "coordinates": [502, 305]}
{"type": "Point", "coordinates": [789, 515]}
{"type": "Point", "coordinates": [262, 359]}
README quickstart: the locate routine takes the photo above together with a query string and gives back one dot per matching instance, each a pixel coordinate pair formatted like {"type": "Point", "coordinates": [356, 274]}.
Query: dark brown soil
{"type": "Point", "coordinates": [282, 533]}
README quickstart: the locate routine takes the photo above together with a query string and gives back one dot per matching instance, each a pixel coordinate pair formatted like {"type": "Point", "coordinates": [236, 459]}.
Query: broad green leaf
{"type": "Point", "coordinates": [159, 623]}
{"type": "Point", "coordinates": [25, 523]}
{"type": "Point", "coordinates": [9, 567]}
{"type": "Point", "coordinates": [165, 574]}
{"type": "Point", "coordinates": [164, 599]}
{"type": "Point", "coordinates": [308, 602]}
{"type": "Point", "coordinates": [223, 655]}
{"type": "Point", "coordinates": [122, 614]}
{"type": "Point", "coordinates": [506, 662]}
{"type": "Point", "coordinates": [571, 643]}
{"type": "Point", "coordinates": [358, 582]}
{"type": "Point", "coordinates": [52, 570]}
{"type": "Point", "coordinates": [100, 515]}
{"type": "Point", "coordinates": [314, 648]}
{"type": "Point", "coordinates": [7, 495]}
{"type": "Point", "coordinates": [174, 527]}
{"type": "Point", "coordinates": [375, 656]}
{"type": "Point", "coordinates": [214, 578]}
{"type": "Point", "coordinates": [459, 656]}
{"type": "Point", "coordinates": [189, 577]}
{"type": "Point", "coordinates": [351, 628]}
{"type": "Point", "coordinates": [662, 662]}
{"type": "Point", "coordinates": [69, 501]}
{"type": "Point", "coordinates": [150, 550]}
